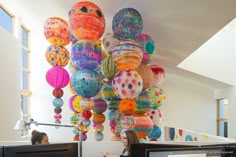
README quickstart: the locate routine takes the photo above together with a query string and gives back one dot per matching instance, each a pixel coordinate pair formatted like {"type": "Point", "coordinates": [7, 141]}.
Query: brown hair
{"type": "Point", "coordinates": [132, 139]}
{"type": "Point", "coordinates": [37, 136]}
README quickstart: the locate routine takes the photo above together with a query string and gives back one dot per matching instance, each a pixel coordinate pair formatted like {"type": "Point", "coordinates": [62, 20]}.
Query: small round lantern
{"type": "Point", "coordinates": [57, 92]}
{"type": "Point", "coordinates": [127, 106]}
{"type": "Point", "coordinates": [99, 118]}
{"type": "Point", "coordinates": [86, 54]}
{"type": "Point", "coordinates": [57, 55]}
{"type": "Point", "coordinates": [85, 83]}
{"type": "Point", "coordinates": [56, 31]}
{"type": "Point", "coordinates": [127, 84]}
{"type": "Point", "coordinates": [86, 114]}
{"type": "Point", "coordinates": [57, 77]}
{"type": "Point", "coordinates": [86, 21]}
{"type": "Point", "coordinates": [127, 24]}
{"type": "Point", "coordinates": [148, 47]}
{"type": "Point", "coordinates": [108, 93]}
{"type": "Point", "coordinates": [127, 55]}
{"type": "Point", "coordinates": [99, 136]}
{"type": "Point", "coordinates": [159, 75]}
{"type": "Point", "coordinates": [156, 133]}
{"type": "Point", "coordinates": [157, 96]}
{"type": "Point", "coordinates": [100, 105]}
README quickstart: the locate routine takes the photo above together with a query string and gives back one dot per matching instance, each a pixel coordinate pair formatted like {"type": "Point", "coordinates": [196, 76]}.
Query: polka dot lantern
{"type": "Point", "coordinates": [56, 31]}
{"type": "Point", "coordinates": [109, 68]}
{"type": "Point", "coordinates": [86, 54]}
{"type": "Point", "coordinates": [127, 24]}
{"type": "Point", "coordinates": [86, 21]}
{"type": "Point", "coordinates": [76, 103]}
{"type": "Point", "coordinates": [109, 42]}
{"type": "Point", "coordinates": [127, 106]}
{"type": "Point", "coordinates": [159, 75]}
{"type": "Point", "coordinates": [127, 84]}
{"type": "Point", "coordinates": [146, 74]}
{"type": "Point", "coordinates": [148, 47]}
{"type": "Point", "coordinates": [142, 125]}
{"type": "Point", "coordinates": [85, 83]}
{"type": "Point", "coordinates": [57, 77]}
{"type": "Point", "coordinates": [157, 116]}
{"type": "Point", "coordinates": [127, 55]}
{"type": "Point", "coordinates": [157, 96]}
{"type": "Point", "coordinates": [57, 55]}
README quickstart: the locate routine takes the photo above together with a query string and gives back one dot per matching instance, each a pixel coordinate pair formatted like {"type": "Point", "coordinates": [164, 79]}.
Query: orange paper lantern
{"type": "Point", "coordinates": [127, 106]}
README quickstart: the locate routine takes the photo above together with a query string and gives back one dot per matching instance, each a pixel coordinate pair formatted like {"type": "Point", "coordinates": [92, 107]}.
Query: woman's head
{"type": "Point", "coordinates": [129, 137]}
{"type": "Point", "coordinates": [39, 137]}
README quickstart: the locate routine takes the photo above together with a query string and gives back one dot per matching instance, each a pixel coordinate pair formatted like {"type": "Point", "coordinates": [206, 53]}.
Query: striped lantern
{"type": "Point", "coordinates": [142, 125]}
{"type": "Point", "coordinates": [109, 69]}
{"type": "Point", "coordinates": [127, 55]}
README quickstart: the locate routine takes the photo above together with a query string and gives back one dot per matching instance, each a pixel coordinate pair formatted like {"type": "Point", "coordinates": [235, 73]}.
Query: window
{"type": "Point", "coordinates": [6, 21]}
{"type": "Point", "coordinates": [25, 73]}
{"type": "Point", "coordinates": [222, 117]}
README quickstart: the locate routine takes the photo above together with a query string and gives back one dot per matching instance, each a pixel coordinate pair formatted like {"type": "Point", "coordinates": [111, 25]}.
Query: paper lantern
{"type": "Point", "coordinates": [86, 122]}
{"type": "Point", "coordinates": [86, 21]}
{"type": "Point", "coordinates": [99, 136]}
{"type": "Point", "coordinates": [57, 55]}
{"type": "Point", "coordinates": [85, 83]}
{"type": "Point", "coordinates": [100, 105]}
{"type": "Point", "coordinates": [99, 118]}
{"type": "Point", "coordinates": [113, 115]}
{"type": "Point", "coordinates": [98, 127]}
{"type": "Point", "coordinates": [148, 47]}
{"type": "Point", "coordinates": [86, 114]}
{"type": "Point", "coordinates": [156, 116]}
{"type": "Point", "coordinates": [57, 92]}
{"type": "Point", "coordinates": [70, 103]}
{"type": "Point", "coordinates": [155, 133]}
{"type": "Point", "coordinates": [57, 77]}
{"type": "Point", "coordinates": [127, 24]}
{"type": "Point", "coordinates": [109, 42]}
{"type": "Point", "coordinates": [127, 122]}
{"type": "Point", "coordinates": [74, 119]}
{"type": "Point", "coordinates": [57, 110]}
{"type": "Point", "coordinates": [76, 103]}
{"type": "Point", "coordinates": [146, 74]}
{"type": "Point", "coordinates": [86, 54]}
{"type": "Point", "coordinates": [159, 75]}
{"type": "Point", "coordinates": [87, 104]}
{"type": "Point", "coordinates": [143, 102]}
{"type": "Point", "coordinates": [56, 31]}
{"type": "Point", "coordinates": [157, 96]}
{"type": "Point", "coordinates": [113, 105]}
{"type": "Point", "coordinates": [108, 93]}
{"type": "Point", "coordinates": [109, 68]}
{"type": "Point", "coordinates": [127, 106]}
{"type": "Point", "coordinates": [73, 39]}
{"type": "Point", "coordinates": [142, 125]}
{"type": "Point", "coordinates": [127, 55]}
{"type": "Point", "coordinates": [127, 84]}
{"type": "Point", "coordinates": [58, 102]}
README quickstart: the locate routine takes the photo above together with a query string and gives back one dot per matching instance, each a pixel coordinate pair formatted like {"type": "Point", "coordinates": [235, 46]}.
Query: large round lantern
{"type": "Point", "coordinates": [86, 21]}
{"type": "Point", "coordinates": [159, 75]}
{"type": "Point", "coordinates": [142, 125]}
{"type": "Point", "coordinates": [127, 55]}
{"type": "Point", "coordinates": [57, 55]}
{"type": "Point", "coordinates": [86, 54]}
{"type": "Point", "coordinates": [57, 77]}
{"type": "Point", "coordinates": [109, 42]}
{"type": "Point", "coordinates": [85, 83]}
{"type": "Point", "coordinates": [100, 105]}
{"type": "Point", "coordinates": [109, 69]}
{"type": "Point", "coordinates": [148, 47]}
{"type": "Point", "coordinates": [127, 24]}
{"type": "Point", "coordinates": [127, 84]}
{"type": "Point", "coordinates": [146, 74]}
{"type": "Point", "coordinates": [56, 31]}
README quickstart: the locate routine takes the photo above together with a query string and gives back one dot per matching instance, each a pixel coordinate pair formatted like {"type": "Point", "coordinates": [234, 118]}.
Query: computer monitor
{"type": "Point", "coordinates": [139, 149]}
{"type": "Point", "coordinates": [215, 151]}
{"type": "Point", "coordinates": [1, 151]}
{"type": "Point", "coordinates": [42, 150]}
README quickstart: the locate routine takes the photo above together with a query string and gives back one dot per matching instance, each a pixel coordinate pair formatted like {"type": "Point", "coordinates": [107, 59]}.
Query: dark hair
{"type": "Point", "coordinates": [37, 136]}
{"type": "Point", "coordinates": [132, 139]}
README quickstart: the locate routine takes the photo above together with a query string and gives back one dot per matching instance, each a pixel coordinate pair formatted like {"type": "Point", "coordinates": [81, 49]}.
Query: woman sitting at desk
{"type": "Point", "coordinates": [39, 137]}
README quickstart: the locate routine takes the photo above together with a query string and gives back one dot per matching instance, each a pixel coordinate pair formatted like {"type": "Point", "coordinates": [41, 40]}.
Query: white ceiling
{"type": "Point", "coordinates": [178, 27]}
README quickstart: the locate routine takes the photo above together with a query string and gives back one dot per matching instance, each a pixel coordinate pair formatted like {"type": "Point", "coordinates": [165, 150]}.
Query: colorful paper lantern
{"type": "Point", "coordinates": [98, 127]}
{"type": "Point", "coordinates": [108, 93]}
{"type": "Point", "coordinates": [56, 31]}
{"type": "Point", "coordinates": [143, 102]}
{"type": "Point", "coordinates": [57, 77]}
{"type": "Point", "coordinates": [127, 55]}
{"type": "Point", "coordinates": [86, 21]}
{"type": "Point", "coordinates": [109, 42]}
{"type": "Point", "coordinates": [127, 84]}
{"type": "Point", "coordinates": [87, 104]}
{"type": "Point", "coordinates": [108, 67]}
{"type": "Point", "coordinates": [127, 122]}
{"type": "Point", "coordinates": [86, 54]}
{"type": "Point", "coordinates": [99, 136]}
{"type": "Point", "coordinates": [155, 133]}
{"type": "Point", "coordinates": [127, 24]}
{"type": "Point", "coordinates": [86, 114]}
{"type": "Point", "coordinates": [57, 92]}
{"type": "Point", "coordinates": [85, 83]}
{"type": "Point", "coordinates": [157, 96]}
{"type": "Point", "coordinates": [99, 118]}
{"type": "Point", "coordinates": [159, 75]}
{"type": "Point", "coordinates": [142, 125]}
{"type": "Point", "coordinates": [100, 105]}
{"type": "Point", "coordinates": [127, 106]}
{"type": "Point", "coordinates": [156, 116]}
{"type": "Point", "coordinates": [57, 55]}
{"type": "Point", "coordinates": [148, 47]}
{"type": "Point", "coordinates": [146, 74]}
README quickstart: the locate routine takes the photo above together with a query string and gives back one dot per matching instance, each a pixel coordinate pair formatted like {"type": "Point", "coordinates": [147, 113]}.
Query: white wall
{"type": "Point", "coordinates": [188, 105]}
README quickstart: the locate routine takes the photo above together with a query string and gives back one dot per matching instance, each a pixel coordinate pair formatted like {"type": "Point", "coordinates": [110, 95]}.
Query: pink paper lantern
{"type": "Point", "coordinates": [159, 75]}
{"type": "Point", "coordinates": [57, 77]}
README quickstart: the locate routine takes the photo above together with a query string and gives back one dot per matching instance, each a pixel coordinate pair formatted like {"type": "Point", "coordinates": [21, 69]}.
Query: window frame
{"type": "Point", "coordinates": [224, 119]}
{"type": "Point", "coordinates": [13, 21]}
